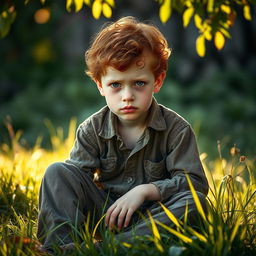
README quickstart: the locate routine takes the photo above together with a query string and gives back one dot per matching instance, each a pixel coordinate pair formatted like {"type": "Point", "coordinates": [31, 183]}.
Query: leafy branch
{"type": "Point", "coordinates": [212, 18]}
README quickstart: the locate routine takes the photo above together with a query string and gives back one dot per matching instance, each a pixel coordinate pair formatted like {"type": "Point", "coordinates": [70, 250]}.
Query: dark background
{"type": "Point", "coordinates": [42, 76]}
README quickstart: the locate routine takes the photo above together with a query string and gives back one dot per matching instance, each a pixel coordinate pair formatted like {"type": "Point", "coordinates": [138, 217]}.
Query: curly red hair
{"type": "Point", "coordinates": [121, 43]}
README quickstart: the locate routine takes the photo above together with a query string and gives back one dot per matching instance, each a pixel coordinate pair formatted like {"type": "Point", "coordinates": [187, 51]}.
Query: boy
{"type": "Point", "coordinates": [138, 150]}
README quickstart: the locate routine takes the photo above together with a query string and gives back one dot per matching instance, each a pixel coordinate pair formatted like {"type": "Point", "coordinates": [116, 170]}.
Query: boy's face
{"type": "Point", "coordinates": [129, 93]}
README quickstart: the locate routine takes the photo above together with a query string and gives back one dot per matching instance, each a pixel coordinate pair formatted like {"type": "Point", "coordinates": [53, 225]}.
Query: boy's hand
{"type": "Point", "coordinates": [120, 212]}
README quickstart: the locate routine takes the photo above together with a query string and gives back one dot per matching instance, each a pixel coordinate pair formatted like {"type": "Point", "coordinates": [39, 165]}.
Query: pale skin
{"type": "Point", "coordinates": [129, 95]}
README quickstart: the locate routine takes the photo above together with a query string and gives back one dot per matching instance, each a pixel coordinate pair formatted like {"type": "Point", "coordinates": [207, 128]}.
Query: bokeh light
{"type": "Point", "coordinates": [42, 16]}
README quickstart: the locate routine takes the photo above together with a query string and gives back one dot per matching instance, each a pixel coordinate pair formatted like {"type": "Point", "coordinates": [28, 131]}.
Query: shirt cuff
{"type": "Point", "coordinates": [165, 187]}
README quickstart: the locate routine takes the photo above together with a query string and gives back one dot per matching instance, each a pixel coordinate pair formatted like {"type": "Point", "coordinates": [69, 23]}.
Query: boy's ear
{"type": "Point", "coordinates": [159, 82]}
{"type": "Point", "coordinates": [99, 86]}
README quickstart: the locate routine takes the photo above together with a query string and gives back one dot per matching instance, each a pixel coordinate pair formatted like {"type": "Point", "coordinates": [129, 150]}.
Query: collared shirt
{"type": "Point", "coordinates": [164, 153]}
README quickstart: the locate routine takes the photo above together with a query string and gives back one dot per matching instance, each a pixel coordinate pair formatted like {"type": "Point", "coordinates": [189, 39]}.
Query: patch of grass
{"type": "Point", "coordinates": [228, 228]}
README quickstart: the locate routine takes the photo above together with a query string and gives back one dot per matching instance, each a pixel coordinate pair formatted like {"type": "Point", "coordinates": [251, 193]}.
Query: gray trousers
{"type": "Point", "coordinates": [68, 195]}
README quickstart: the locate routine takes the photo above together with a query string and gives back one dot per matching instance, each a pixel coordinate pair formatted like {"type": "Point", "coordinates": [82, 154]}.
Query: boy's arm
{"type": "Point", "coordinates": [84, 153]}
{"type": "Point", "coordinates": [183, 158]}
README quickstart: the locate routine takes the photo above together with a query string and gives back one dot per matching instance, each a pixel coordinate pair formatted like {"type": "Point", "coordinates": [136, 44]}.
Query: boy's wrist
{"type": "Point", "coordinates": [150, 192]}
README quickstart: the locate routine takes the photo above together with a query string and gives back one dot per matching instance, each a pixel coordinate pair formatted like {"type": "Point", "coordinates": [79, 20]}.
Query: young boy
{"type": "Point", "coordinates": [137, 150]}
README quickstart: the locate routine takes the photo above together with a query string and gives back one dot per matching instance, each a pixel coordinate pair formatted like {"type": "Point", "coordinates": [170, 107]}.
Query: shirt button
{"type": "Point", "coordinates": [129, 179]}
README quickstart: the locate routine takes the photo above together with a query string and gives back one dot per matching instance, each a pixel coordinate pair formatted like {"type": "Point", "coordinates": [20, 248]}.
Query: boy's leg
{"type": "Point", "coordinates": [67, 195]}
{"type": "Point", "coordinates": [176, 204]}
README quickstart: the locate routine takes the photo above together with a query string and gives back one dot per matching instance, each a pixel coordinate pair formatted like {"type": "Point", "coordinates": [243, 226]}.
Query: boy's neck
{"type": "Point", "coordinates": [130, 136]}
{"type": "Point", "coordinates": [131, 132]}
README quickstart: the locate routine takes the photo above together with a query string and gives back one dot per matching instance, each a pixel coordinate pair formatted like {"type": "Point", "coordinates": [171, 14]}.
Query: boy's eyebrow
{"type": "Point", "coordinates": [114, 81]}
{"type": "Point", "coordinates": [139, 78]}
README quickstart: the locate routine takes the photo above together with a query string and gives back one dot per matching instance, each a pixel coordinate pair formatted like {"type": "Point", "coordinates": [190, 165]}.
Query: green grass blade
{"type": "Point", "coordinates": [96, 226]}
{"type": "Point", "coordinates": [154, 227]}
{"type": "Point", "coordinates": [170, 215]}
{"type": "Point", "coordinates": [198, 235]}
{"type": "Point", "coordinates": [235, 229]}
{"type": "Point", "coordinates": [196, 199]}
{"type": "Point", "coordinates": [156, 234]}
{"type": "Point", "coordinates": [184, 238]}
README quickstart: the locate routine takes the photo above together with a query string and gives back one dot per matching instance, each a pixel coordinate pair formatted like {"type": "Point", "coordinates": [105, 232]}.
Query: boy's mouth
{"type": "Point", "coordinates": [128, 109]}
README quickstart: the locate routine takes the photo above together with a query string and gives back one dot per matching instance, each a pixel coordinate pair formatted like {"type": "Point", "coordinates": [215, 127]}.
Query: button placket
{"type": "Point", "coordinates": [129, 171]}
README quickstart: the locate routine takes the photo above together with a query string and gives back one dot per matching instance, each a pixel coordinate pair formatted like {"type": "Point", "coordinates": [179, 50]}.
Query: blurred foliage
{"type": "Point", "coordinates": [220, 106]}
{"type": "Point", "coordinates": [213, 18]}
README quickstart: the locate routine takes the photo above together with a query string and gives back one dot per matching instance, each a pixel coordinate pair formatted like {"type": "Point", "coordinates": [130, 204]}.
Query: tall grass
{"type": "Point", "coordinates": [228, 228]}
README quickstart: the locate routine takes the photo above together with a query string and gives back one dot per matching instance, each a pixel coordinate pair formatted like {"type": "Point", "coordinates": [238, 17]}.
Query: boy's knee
{"type": "Point", "coordinates": [54, 170]}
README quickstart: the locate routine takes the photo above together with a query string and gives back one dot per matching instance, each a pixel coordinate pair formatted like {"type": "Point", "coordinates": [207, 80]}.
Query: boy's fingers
{"type": "Point", "coordinates": [121, 217]}
{"type": "Point", "coordinates": [113, 216]}
{"type": "Point", "coordinates": [128, 217]}
{"type": "Point", "coordinates": [108, 213]}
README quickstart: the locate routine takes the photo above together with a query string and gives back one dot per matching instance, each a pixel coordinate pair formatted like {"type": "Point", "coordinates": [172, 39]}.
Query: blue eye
{"type": "Point", "coordinates": [115, 85]}
{"type": "Point", "coordinates": [140, 83]}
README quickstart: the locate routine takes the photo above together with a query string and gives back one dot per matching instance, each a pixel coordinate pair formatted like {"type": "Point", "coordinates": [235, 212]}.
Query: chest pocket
{"type": "Point", "coordinates": [108, 168]}
{"type": "Point", "coordinates": [154, 170]}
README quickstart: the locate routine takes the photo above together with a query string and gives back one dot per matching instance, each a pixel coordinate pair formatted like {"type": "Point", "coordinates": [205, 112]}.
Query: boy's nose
{"type": "Point", "coordinates": [128, 94]}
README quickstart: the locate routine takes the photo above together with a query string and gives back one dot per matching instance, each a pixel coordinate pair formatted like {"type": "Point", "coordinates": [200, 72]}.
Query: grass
{"type": "Point", "coordinates": [229, 227]}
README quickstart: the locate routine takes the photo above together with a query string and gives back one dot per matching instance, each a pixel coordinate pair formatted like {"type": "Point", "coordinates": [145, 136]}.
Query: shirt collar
{"type": "Point", "coordinates": [108, 129]}
{"type": "Point", "coordinates": [156, 121]}
{"type": "Point", "coordinates": [156, 118]}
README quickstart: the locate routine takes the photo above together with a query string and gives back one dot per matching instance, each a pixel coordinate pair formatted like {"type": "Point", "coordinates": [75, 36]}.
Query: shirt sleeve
{"type": "Point", "coordinates": [84, 153]}
{"type": "Point", "coordinates": [182, 159]}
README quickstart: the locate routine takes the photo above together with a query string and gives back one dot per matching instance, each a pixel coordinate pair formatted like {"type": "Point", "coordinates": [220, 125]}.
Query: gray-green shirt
{"type": "Point", "coordinates": [164, 153]}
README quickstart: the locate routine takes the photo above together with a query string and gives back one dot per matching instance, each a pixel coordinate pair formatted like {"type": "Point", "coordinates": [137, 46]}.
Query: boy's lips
{"type": "Point", "coordinates": [128, 109]}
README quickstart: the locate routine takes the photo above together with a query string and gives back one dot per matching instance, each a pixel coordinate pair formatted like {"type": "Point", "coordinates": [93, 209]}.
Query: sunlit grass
{"type": "Point", "coordinates": [228, 228]}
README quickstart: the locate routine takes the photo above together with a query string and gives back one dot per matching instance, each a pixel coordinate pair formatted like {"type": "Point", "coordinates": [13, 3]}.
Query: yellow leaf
{"type": "Point", "coordinates": [210, 5]}
{"type": "Point", "coordinates": [247, 12]}
{"type": "Point", "coordinates": [188, 3]}
{"type": "Point", "coordinates": [198, 22]}
{"type": "Point", "coordinates": [225, 32]}
{"type": "Point", "coordinates": [165, 11]}
{"type": "Point", "coordinates": [219, 40]}
{"type": "Point", "coordinates": [200, 46]}
{"type": "Point", "coordinates": [96, 9]}
{"type": "Point", "coordinates": [207, 33]}
{"type": "Point", "coordinates": [110, 2]}
{"type": "Point", "coordinates": [87, 2]}
{"type": "Point", "coordinates": [127, 245]}
{"type": "Point", "coordinates": [187, 16]}
{"type": "Point", "coordinates": [107, 11]}
{"type": "Point", "coordinates": [68, 5]}
{"type": "Point", "coordinates": [225, 8]}
{"type": "Point", "coordinates": [79, 4]}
